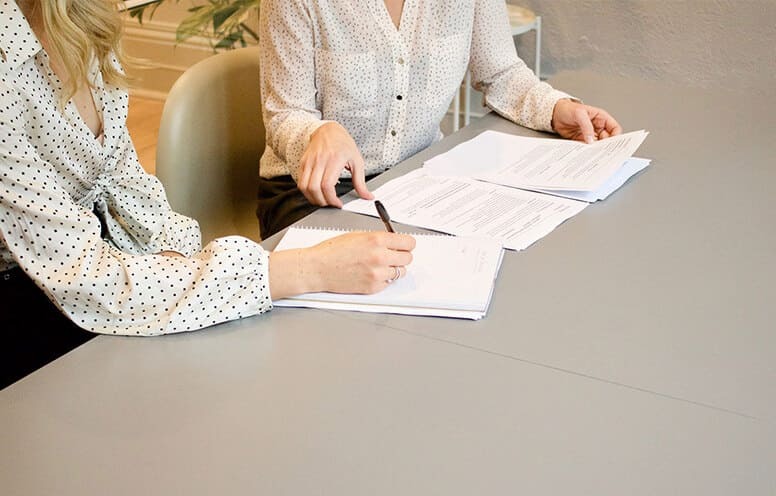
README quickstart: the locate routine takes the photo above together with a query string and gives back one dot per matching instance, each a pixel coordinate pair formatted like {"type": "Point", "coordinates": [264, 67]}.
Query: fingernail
{"type": "Point", "coordinates": [589, 138]}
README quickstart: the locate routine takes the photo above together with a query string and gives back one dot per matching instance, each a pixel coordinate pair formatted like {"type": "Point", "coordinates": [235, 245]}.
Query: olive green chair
{"type": "Point", "coordinates": [211, 137]}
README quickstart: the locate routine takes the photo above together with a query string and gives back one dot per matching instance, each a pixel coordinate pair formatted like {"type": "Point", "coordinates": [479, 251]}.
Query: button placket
{"type": "Point", "coordinates": [398, 112]}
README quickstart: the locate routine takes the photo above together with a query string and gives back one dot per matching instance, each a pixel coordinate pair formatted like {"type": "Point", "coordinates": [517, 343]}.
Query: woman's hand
{"type": "Point", "coordinates": [358, 262]}
{"type": "Point", "coordinates": [331, 149]}
{"type": "Point", "coordinates": [577, 121]}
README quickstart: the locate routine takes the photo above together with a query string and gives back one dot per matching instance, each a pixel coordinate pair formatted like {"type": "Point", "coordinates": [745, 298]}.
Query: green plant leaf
{"type": "Point", "coordinates": [223, 21]}
{"type": "Point", "coordinates": [222, 14]}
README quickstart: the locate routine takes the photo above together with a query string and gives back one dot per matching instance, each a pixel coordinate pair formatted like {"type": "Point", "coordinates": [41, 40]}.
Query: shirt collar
{"type": "Point", "coordinates": [17, 40]}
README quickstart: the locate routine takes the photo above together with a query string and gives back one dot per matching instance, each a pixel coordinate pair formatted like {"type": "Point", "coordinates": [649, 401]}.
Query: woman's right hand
{"type": "Point", "coordinates": [357, 262]}
{"type": "Point", "coordinates": [331, 149]}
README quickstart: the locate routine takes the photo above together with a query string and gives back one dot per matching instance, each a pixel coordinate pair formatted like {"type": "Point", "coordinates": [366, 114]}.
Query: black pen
{"type": "Point", "coordinates": [383, 213]}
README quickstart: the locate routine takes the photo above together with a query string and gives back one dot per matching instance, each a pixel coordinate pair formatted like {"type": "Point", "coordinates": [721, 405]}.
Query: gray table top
{"type": "Point", "coordinates": [631, 351]}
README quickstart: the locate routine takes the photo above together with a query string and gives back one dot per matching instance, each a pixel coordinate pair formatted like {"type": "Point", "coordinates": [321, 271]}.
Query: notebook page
{"type": "Point", "coordinates": [447, 273]}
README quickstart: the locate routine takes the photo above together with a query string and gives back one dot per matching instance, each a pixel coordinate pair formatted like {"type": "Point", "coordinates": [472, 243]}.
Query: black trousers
{"type": "Point", "coordinates": [280, 203]}
{"type": "Point", "coordinates": [34, 332]}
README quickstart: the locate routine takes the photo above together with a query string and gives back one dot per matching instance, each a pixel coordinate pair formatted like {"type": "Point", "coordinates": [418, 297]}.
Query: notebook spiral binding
{"type": "Point", "coordinates": [347, 230]}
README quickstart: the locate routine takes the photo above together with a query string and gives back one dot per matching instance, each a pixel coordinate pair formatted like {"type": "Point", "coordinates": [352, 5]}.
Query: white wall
{"type": "Point", "coordinates": [726, 43]}
{"type": "Point", "coordinates": [723, 43]}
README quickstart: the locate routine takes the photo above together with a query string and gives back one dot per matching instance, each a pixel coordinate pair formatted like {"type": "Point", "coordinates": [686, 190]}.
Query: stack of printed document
{"type": "Point", "coordinates": [510, 188]}
{"type": "Point", "coordinates": [449, 276]}
{"type": "Point", "coordinates": [467, 207]}
{"type": "Point", "coordinates": [554, 166]}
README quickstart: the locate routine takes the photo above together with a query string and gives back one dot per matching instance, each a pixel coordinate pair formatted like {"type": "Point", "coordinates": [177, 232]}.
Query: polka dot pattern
{"type": "Point", "coordinates": [86, 223]}
{"type": "Point", "coordinates": [345, 61]}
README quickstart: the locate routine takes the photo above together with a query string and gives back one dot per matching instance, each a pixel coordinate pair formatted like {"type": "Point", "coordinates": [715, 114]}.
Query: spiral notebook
{"type": "Point", "coordinates": [450, 276]}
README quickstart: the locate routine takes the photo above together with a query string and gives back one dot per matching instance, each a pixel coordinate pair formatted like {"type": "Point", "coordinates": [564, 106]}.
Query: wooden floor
{"type": "Point", "coordinates": [143, 123]}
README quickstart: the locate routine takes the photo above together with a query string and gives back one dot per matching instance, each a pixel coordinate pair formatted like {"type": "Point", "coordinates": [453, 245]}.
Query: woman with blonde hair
{"type": "Point", "coordinates": [88, 242]}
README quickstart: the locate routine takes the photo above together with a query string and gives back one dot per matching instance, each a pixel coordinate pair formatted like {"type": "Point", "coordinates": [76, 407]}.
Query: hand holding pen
{"type": "Point", "coordinates": [383, 213]}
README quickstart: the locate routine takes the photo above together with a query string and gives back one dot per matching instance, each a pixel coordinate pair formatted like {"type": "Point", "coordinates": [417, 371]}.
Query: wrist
{"type": "Point", "coordinates": [323, 127]}
{"type": "Point", "coordinates": [557, 109]}
{"type": "Point", "coordinates": [293, 272]}
{"type": "Point", "coordinates": [309, 270]}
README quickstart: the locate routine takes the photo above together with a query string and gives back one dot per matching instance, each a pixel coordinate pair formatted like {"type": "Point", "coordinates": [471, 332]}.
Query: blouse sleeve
{"type": "Point", "coordinates": [288, 79]}
{"type": "Point", "coordinates": [510, 87]}
{"type": "Point", "coordinates": [58, 243]}
{"type": "Point", "coordinates": [136, 208]}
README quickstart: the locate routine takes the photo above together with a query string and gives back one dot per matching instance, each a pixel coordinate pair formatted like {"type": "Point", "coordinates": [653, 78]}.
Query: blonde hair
{"type": "Point", "coordinates": [80, 31]}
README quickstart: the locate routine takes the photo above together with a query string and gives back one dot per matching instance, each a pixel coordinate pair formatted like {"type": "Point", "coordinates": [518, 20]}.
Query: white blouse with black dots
{"type": "Point", "coordinates": [345, 61]}
{"type": "Point", "coordinates": [86, 223]}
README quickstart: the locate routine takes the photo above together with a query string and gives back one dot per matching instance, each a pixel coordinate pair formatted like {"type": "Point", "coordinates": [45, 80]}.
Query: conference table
{"type": "Point", "coordinates": [630, 351]}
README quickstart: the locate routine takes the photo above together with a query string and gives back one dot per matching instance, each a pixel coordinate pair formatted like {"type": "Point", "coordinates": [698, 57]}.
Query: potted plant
{"type": "Point", "coordinates": [224, 21]}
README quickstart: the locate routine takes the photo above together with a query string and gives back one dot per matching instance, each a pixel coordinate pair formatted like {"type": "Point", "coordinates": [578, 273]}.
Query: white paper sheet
{"type": "Point", "coordinates": [628, 169]}
{"type": "Point", "coordinates": [538, 163]}
{"type": "Point", "coordinates": [464, 206]}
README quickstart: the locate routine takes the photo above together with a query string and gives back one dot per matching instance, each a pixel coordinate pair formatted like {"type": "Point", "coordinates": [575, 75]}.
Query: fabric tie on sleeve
{"type": "Point", "coordinates": [130, 208]}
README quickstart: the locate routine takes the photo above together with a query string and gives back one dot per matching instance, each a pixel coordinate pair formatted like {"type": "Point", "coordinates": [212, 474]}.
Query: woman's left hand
{"type": "Point", "coordinates": [577, 121]}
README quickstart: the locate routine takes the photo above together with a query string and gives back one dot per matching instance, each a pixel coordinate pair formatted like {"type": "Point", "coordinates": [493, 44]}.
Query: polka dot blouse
{"type": "Point", "coordinates": [86, 223]}
{"type": "Point", "coordinates": [345, 61]}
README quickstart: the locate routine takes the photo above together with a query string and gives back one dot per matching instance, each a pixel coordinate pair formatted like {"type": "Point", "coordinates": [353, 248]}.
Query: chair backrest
{"type": "Point", "coordinates": [211, 138]}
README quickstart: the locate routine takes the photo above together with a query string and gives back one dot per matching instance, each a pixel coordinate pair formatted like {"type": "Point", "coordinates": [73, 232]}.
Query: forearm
{"type": "Point", "coordinates": [288, 89]}
{"type": "Point", "coordinates": [523, 99]}
{"type": "Point", "coordinates": [511, 89]}
{"type": "Point", "coordinates": [165, 294]}
{"type": "Point", "coordinates": [289, 134]}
